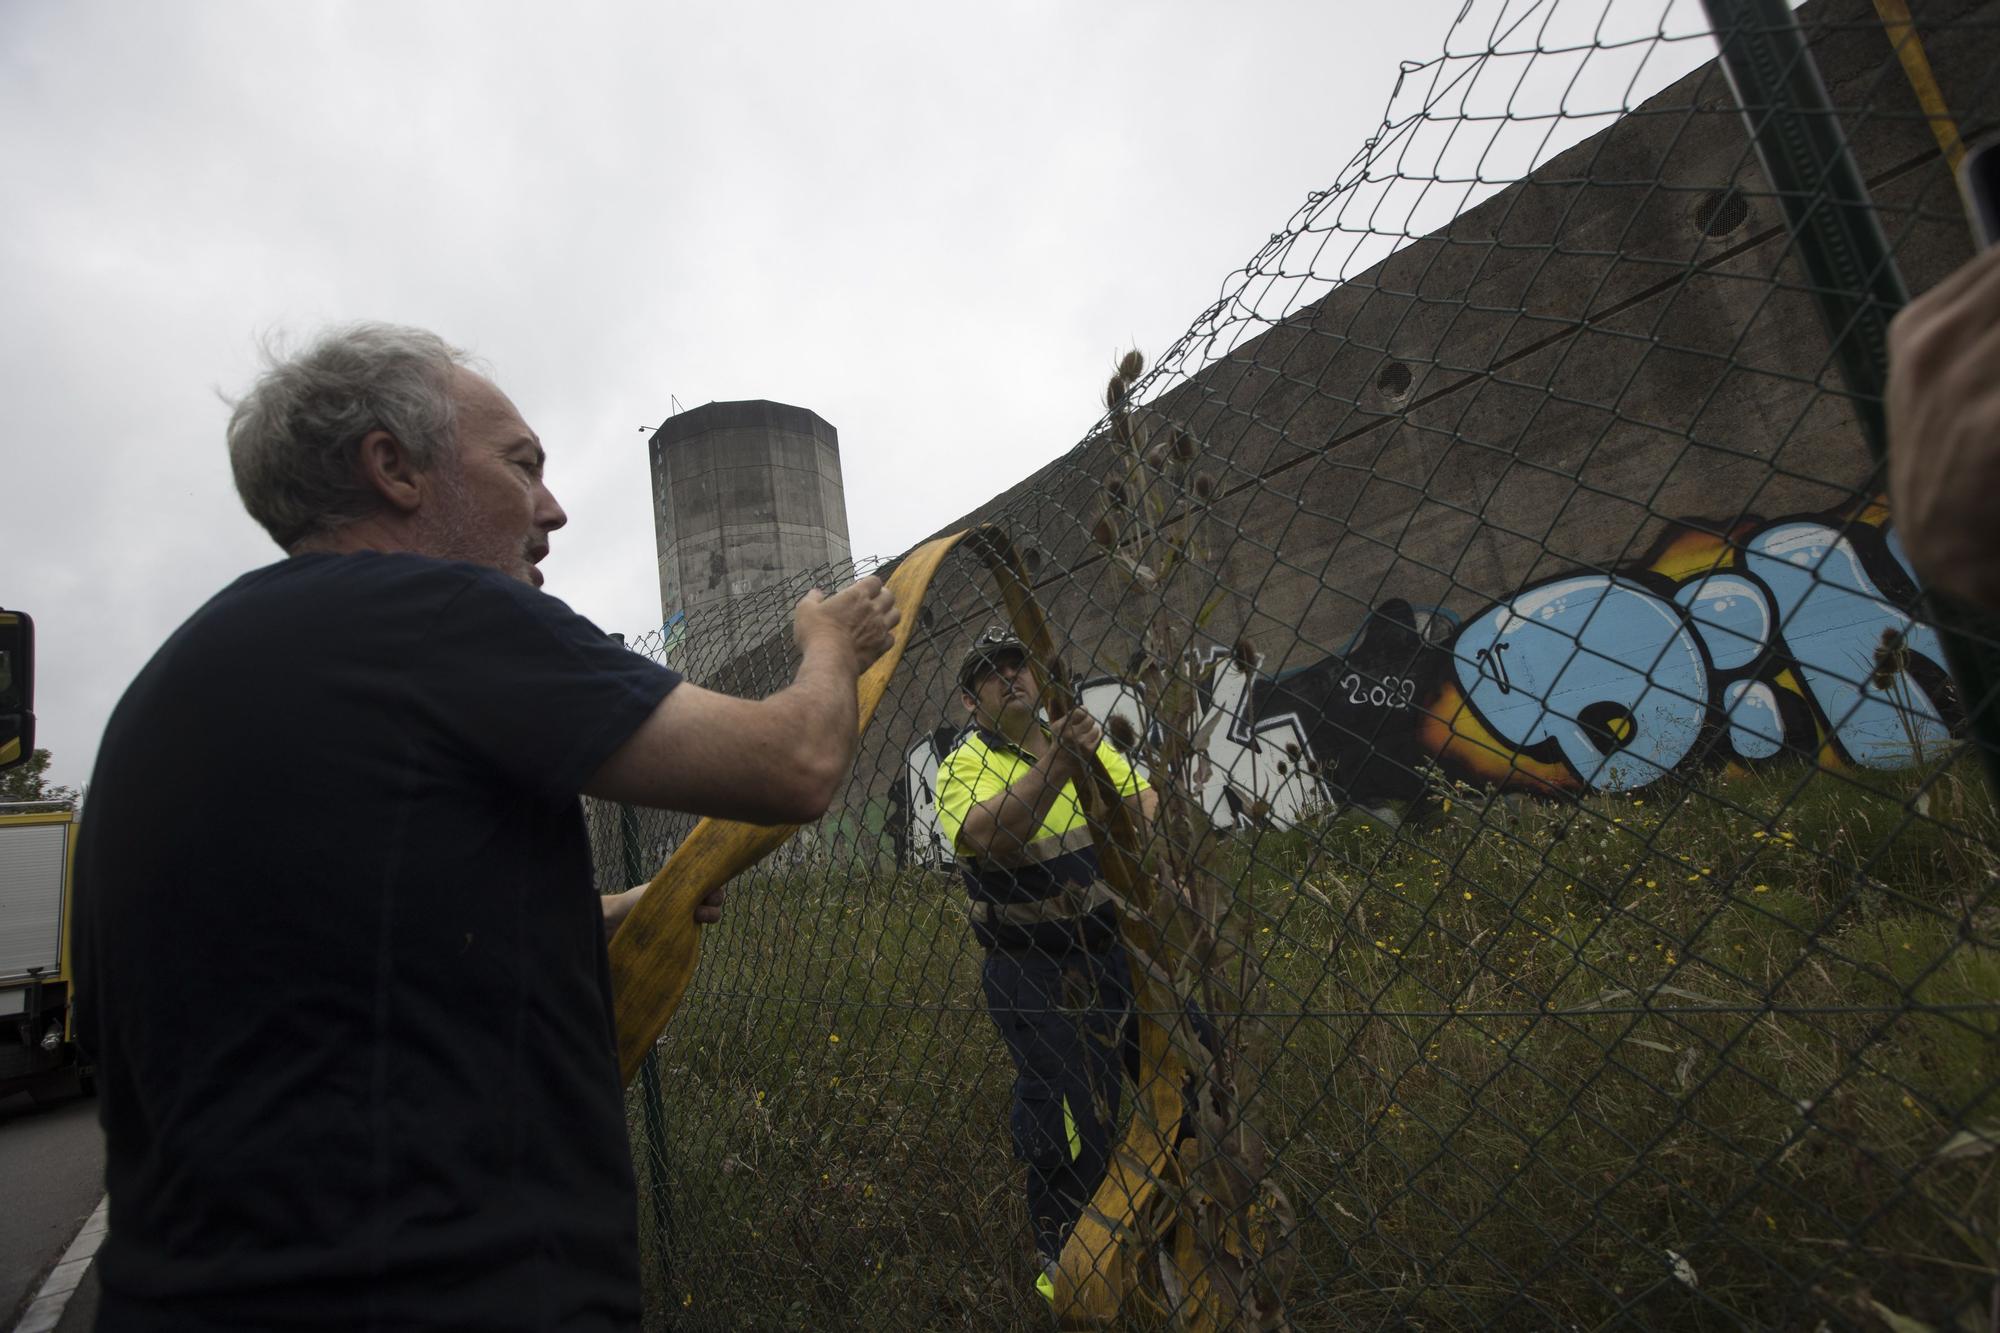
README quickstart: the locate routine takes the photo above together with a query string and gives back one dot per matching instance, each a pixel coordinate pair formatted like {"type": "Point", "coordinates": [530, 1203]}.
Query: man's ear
{"type": "Point", "coordinates": [967, 698]}
{"type": "Point", "coordinates": [388, 470]}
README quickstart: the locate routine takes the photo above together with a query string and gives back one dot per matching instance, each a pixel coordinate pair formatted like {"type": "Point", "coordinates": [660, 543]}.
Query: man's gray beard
{"type": "Point", "coordinates": [451, 532]}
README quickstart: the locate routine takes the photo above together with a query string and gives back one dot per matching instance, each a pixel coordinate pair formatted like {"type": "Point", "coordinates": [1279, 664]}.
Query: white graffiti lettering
{"type": "Point", "coordinates": [1389, 692]}
{"type": "Point", "coordinates": [1785, 641]}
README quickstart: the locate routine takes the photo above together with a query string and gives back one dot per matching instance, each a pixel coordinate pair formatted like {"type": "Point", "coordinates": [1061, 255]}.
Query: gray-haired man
{"type": "Point", "coordinates": [339, 958]}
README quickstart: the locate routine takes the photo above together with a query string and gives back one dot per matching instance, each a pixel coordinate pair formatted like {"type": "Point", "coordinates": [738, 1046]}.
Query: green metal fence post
{"type": "Point", "coordinates": [652, 1104]}
{"type": "Point", "coordinates": [1839, 239]}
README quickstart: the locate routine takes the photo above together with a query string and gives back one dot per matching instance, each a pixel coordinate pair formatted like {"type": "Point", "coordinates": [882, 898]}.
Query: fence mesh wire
{"type": "Point", "coordinates": [1590, 894]}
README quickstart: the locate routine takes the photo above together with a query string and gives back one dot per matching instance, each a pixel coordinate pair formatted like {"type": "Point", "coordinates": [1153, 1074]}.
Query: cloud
{"type": "Point", "coordinates": [934, 225]}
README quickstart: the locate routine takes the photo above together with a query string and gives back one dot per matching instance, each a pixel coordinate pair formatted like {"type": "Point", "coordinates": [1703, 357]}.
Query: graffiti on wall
{"type": "Point", "coordinates": [1786, 636]}
{"type": "Point", "coordinates": [914, 797]}
{"type": "Point", "coordinates": [1725, 643]}
{"type": "Point", "coordinates": [1280, 746]}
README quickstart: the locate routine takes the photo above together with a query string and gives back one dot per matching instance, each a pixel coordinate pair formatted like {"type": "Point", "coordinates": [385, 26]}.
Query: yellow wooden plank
{"type": "Point", "coordinates": [653, 955]}
{"type": "Point", "coordinates": [1909, 47]}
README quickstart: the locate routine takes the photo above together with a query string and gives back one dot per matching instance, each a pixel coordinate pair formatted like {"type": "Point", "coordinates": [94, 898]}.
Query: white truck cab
{"type": "Point", "coordinates": [37, 849]}
{"type": "Point", "coordinates": [37, 1035]}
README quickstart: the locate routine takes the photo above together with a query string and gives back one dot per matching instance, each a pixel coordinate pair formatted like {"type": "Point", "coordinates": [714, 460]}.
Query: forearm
{"type": "Point", "coordinates": [780, 760]}
{"type": "Point", "coordinates": [821, 712]}
{"type": "Point", "coordinates": [1003, 824]}
{"type": "Point", "coordinates": [618, 906]}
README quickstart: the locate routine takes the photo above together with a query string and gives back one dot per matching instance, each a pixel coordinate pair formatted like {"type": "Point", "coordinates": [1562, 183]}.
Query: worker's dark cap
{"type": "Point", "coordinates": [996, 644]}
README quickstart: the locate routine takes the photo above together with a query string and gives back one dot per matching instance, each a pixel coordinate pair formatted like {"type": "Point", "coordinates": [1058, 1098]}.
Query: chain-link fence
{"type": "Point", "coordinates": [1567, 896]}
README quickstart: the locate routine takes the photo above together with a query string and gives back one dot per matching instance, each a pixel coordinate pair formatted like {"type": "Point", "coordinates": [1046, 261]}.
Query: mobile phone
{"type": "Point", "coordinates": [1979, 182]}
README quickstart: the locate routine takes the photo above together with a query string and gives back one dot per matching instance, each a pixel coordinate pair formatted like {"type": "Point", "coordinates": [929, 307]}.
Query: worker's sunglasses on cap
{"type": "Point", "coordinates": [996, 645]}
{"type": "Point", "coordinates": [989, 664]}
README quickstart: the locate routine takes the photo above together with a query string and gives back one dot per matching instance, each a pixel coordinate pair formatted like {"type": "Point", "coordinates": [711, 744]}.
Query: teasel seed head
{"type": "Point", "coordinates": [1204, 486]}
{"type": "Point", "coordinates": [1887, 664]}
{"type": "Point", "coordinates": [1122, 733]}
{"type": "Point", "coordinates": [1185, 445]}
{"type": "Point", "coordinates": [1245, 653]}
{"type": "Point", "coordinates": [1105, 532]}
{"type": "Point", "coordinates": [1114, 393]}
{"type": "Point", "coordinates": [1131, 365]}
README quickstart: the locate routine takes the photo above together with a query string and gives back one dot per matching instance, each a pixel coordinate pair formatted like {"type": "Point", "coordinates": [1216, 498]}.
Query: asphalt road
{"type": "Point", "coordinates": [52, 1158]}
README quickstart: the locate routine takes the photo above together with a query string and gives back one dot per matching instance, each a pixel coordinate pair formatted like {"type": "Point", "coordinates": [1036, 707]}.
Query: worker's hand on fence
{"type": "Point", "coordinates": [1944, 431]}
{"type": "Point", "coordinates": [1076, 735]}
{"type": "Point", "coordinates": [862, 616]}
{"type": "Point", "coordinates": [1174, 894]}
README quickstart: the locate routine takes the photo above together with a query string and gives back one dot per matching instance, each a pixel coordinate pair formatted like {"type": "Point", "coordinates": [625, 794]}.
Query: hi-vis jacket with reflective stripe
{"type": "Point", "coordinates": [1059, 858]}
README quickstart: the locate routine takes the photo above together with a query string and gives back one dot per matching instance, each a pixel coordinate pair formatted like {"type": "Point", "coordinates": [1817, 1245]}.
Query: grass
{"type": "Point", "coordinates": [1683, 1059]}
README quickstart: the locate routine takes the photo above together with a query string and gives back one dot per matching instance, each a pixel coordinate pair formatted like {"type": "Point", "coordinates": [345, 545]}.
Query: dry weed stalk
{"type": "Point", "coordinates": [1232, 1243]}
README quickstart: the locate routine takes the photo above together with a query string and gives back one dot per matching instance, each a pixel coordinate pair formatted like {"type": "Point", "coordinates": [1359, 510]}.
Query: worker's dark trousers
{"type": "Point", "coordinates": [1067, 1022]}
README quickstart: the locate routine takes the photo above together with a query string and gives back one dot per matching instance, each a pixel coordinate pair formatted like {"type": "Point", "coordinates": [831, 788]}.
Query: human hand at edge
{"type": "Point", "coordinates": [617, 906]}
{"type": "Point", "coordinates": [709, 910]}
{"type": "Point", "coordinates": [862, 618]}
{"type": "Point", "coordinates": [1944, 431]}
{"type": "Point", "coordinates": [1076, 734]}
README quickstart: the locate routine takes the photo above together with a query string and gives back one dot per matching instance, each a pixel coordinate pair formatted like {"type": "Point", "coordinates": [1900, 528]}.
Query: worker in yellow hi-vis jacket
{"type": "Point", "coordinates": [1057, 982]}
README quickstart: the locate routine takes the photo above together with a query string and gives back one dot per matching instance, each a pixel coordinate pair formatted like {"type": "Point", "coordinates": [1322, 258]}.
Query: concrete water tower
{"type": "Point", "coordinates": [745, 495]}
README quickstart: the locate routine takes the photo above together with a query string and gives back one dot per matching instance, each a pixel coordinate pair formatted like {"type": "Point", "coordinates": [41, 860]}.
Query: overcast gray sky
{"type": "Point", "coordinates": [933, 224]}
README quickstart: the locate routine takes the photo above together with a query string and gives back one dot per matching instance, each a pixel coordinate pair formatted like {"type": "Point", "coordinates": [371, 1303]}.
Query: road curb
{"type": "Point", "coordinates": [46, 1309]}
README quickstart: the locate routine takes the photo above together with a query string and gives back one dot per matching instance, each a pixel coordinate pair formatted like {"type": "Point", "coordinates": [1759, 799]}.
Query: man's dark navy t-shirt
{"type": "Point", "coordinates": [341, 963]}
